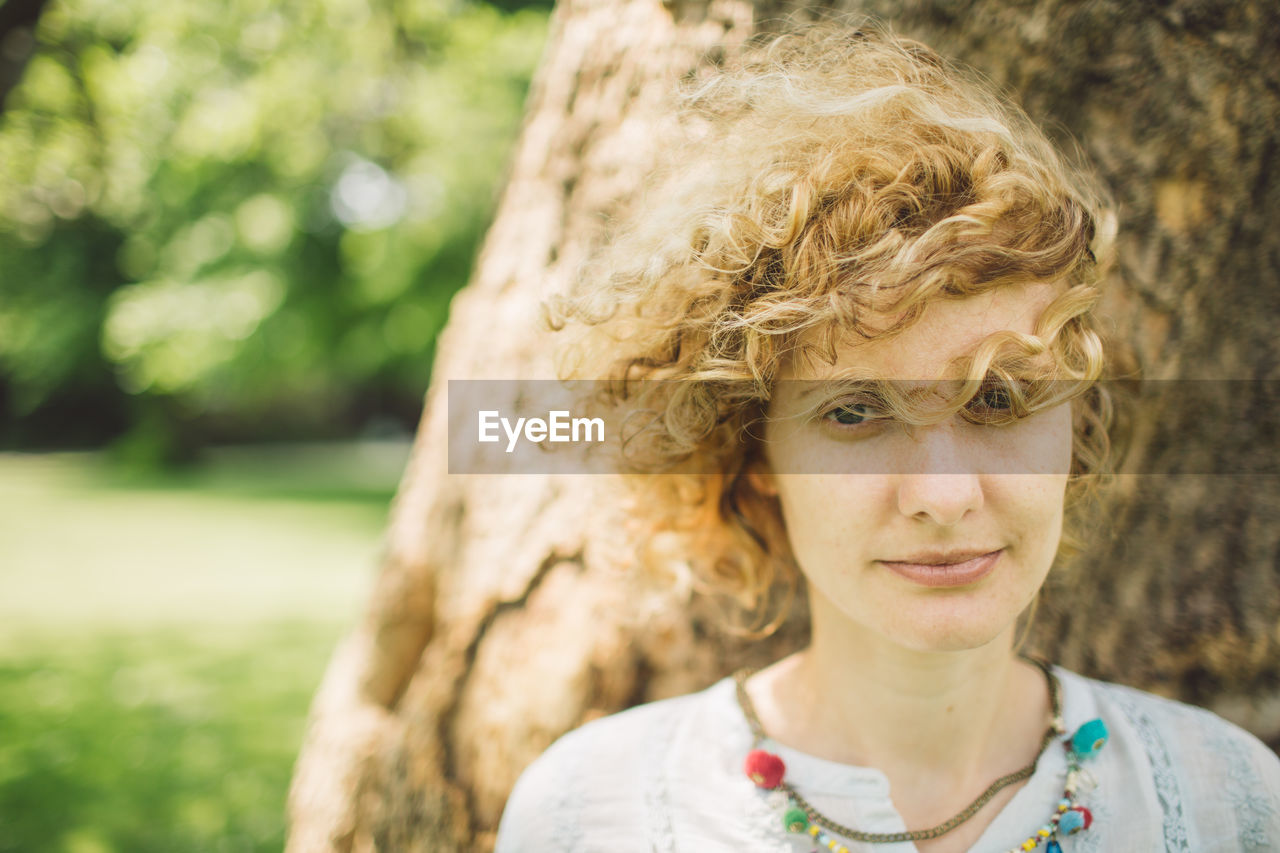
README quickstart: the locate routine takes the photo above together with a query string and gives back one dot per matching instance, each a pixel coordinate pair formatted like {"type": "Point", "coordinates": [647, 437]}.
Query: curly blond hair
{"type": "Point", "coordinates": [828, 176]}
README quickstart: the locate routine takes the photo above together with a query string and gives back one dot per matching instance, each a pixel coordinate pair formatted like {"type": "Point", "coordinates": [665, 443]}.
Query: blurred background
{"type": "Point", "coordinates": [229, 234]}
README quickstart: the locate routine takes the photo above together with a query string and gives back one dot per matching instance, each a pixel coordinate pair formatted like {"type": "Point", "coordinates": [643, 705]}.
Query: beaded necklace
{"type": "Point", "coordinates": [767, 770]}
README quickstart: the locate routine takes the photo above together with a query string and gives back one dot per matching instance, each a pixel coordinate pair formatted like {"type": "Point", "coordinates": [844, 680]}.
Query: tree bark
{"type": "Point", "coordinates": [498, 620]}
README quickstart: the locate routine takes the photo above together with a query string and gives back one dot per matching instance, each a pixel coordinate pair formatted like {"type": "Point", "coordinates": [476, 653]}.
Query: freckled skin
{"type": "Point", "coordinates": [933, 487]}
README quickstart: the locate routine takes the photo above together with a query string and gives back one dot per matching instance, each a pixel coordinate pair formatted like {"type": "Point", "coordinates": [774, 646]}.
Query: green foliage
{"type": "Point", "coordinates": [244, 219]}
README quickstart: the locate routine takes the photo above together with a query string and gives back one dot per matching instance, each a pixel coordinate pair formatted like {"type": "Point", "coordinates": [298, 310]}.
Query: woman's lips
{"type": "Point", "coordinates": [946, 574]}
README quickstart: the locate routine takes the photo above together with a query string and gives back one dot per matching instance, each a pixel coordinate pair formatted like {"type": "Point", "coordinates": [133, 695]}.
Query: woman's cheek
{"type": "Point", "coordinates": [828, 517]}
{"type": "Point", "coordinates": [1044, 440]}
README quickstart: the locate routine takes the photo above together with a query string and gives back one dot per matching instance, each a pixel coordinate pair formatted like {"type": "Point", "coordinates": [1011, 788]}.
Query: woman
{"type": "Point", "coordinates": [869, 285]}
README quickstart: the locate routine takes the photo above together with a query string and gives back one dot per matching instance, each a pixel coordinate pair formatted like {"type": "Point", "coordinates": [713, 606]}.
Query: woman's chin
{"type": "Point", "coordinates": [951, 627]}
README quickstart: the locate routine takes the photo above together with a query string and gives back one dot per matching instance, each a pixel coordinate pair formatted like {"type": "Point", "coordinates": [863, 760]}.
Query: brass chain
{"type": "Point", "coordinates": [816, 817]}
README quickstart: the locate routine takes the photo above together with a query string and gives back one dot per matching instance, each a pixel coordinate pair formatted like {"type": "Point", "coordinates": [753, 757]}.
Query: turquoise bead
{"type": "Point", "coordinates": [1089, 738]}
{"type": "Point", "coordinates": [1071, 823]}
{"type": "Point", "coordinates": [1054, 847]}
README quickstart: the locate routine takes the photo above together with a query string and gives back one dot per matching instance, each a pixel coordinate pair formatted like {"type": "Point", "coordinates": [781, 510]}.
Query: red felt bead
{"type": "Point", "coordinates": [765, 768]}
{"type": "Point", "coordinates": [1086, 814]}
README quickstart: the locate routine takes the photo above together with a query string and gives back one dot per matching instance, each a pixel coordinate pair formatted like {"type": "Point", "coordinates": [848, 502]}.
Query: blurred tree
{"type": "Point", "coordinates": [246, 219]}
{"type": "Point", "coordinates": [17, 21]}
{"type": "Point", "coordinates": [494, 627]}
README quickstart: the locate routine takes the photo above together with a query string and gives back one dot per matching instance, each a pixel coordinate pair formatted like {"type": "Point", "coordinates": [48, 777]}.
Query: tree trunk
{"type": "Point", "coordinates": [496, 622]}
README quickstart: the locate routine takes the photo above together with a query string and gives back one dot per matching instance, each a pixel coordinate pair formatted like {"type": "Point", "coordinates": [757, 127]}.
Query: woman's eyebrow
{"type": "Point", "coordinates": [817, 391]}
{"type": "Point", "coordinates": [869, 384]}
{"type": "Point", "coordinates": [809, 392]}
{"type": "Point", "coordinates": [814, 387]}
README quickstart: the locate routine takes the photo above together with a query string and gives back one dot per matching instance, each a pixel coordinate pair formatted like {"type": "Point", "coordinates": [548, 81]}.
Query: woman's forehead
{"type": "Point", "coordinates": [949, 329]}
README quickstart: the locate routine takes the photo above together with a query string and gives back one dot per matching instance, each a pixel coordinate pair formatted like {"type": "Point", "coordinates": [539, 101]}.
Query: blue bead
{"type": "Point", "coordinates": [1071, 823]}
{"type": "Point", "coordinates": [1089, 738]}
{"type": "Point", "coordinates": [1054, 847]}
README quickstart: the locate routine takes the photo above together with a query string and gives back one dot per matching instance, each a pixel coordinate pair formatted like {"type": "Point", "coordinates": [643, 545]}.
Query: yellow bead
{"type": "Point", "coordinates": [1043, 833]}
{"type": "Point", "coordinates": [1029, 844]}
{"type": "Point", "coordinates": [814, 830]}
{"type": "Point", "coordinates": [832, 844]}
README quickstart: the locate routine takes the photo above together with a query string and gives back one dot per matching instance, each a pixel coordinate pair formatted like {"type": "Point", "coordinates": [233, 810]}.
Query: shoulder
{"type": "Point", "coordinates": [617, 741]}
{"type": "Point", "coordinates": [1186, 727]}
{"type": "Point", "coordinates": [598, 774]}
{"type": "Point", "coordinates": [1209, 773]}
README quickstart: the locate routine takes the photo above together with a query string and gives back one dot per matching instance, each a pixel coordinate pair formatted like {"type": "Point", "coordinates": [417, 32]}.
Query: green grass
{"type": "Point", "coordinates": [160, 642]}
{"type": "Point", "coordinates": [154, 743]}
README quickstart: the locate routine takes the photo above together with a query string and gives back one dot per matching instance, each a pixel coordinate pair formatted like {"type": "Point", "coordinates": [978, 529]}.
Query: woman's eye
{"type": "Point", "coordinates": [853, 414]}
{"type": "Point", "coordinates": [993, 405]}
{"type": "Point", "coordinates": [995, 397]}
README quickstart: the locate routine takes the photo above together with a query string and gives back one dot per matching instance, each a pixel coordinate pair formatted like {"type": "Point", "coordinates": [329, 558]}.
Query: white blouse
{"type": "Point", "coordinates": [668, 776]}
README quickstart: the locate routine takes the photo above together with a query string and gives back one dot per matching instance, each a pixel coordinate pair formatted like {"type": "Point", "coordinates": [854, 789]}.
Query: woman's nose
{"type": "Point", "coordinates": [938, 477]}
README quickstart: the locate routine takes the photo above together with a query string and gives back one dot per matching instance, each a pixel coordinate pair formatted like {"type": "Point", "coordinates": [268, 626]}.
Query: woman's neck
{"type": "Point", "coordinates": [940, 725]}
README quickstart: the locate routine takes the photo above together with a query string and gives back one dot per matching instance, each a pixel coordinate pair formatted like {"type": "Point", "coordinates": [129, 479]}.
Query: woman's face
{"type": "Point", "coordinates": [884, 533]}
